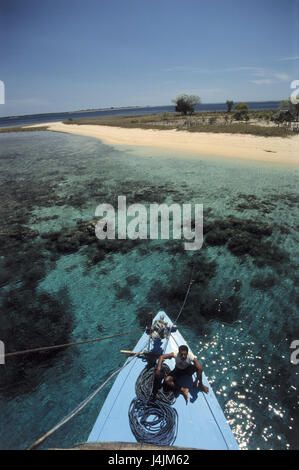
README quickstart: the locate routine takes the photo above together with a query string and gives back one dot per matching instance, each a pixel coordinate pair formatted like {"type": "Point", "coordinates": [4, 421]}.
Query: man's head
{"type": "Point", "coordinates": [183, 352]}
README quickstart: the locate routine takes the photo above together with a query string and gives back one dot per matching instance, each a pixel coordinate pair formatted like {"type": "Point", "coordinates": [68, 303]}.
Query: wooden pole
{"type": "Point", "coordinates": [145, 353]}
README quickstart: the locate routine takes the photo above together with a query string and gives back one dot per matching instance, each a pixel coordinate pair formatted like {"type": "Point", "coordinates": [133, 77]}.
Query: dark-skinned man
{"type": "Point", "coordinates": [185, 364]}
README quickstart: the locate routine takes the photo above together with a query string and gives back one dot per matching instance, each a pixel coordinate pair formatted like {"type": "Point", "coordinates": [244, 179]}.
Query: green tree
{"type": "Point", "coordinates": [241, 112]}
{"type": "Point", "coordinates": [229, 105]}
{"type": "Point", "coordinates": [185, 104]}
{"type": "Point", "coordinates": [282, 117]}
{"type": "Point", "coordinates": [294, 110]}
{"type": "Point", "coordinates": [289, 109]}
{"type": "Point", "coordinates": [284, 105]}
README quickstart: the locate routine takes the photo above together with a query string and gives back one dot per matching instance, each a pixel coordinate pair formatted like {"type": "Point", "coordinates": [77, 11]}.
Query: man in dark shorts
{"type": "Point", "coordinates": [185, 364]}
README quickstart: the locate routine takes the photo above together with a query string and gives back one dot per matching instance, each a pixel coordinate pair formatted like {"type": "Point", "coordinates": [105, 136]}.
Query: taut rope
{"type": "Point", "coordinates": [79, 407]}
{"type": "Point", "coordinates": [47, 348]}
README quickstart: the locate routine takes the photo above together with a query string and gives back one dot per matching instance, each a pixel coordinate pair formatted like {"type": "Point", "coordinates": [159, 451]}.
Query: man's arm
{"type": "Point", "coordinates": [198, 380]}
{"type": "Point", "coordinates": [199, 371]}
{"type": "Point", "coordinates": [161, 359]}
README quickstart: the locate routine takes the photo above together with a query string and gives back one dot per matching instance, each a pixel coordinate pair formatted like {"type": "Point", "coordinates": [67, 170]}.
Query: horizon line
{"type": "Point", "coordinates": [126, 107]}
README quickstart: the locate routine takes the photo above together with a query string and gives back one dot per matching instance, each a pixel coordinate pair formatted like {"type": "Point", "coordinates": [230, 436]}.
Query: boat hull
{"type": "Point", "coordinates": [201, 423]}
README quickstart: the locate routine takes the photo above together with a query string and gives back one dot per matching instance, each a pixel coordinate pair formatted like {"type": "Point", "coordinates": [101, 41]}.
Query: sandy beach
{"type": "Point", "coordinates": [266, 149]}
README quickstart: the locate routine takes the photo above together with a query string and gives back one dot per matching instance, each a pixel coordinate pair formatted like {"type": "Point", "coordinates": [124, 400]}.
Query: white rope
{"type": "Point", "coordinates": [79, 407]}
{"type": "Point", "coordinates": [90, 397]}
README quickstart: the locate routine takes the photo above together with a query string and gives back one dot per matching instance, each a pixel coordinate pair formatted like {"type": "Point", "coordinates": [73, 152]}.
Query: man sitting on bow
{"type": "Point", "coordinates": [185, 364]}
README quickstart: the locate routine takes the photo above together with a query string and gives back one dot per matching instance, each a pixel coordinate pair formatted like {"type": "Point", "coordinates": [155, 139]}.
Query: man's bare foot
{"type": "Point", "coordinates": [205, 388]}
{"type": "Point", "coordinates": [185, 393]}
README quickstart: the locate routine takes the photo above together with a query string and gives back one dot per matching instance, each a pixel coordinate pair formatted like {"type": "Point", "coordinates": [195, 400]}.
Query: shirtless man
{"type": "Point", "coordinates": [183, 366]}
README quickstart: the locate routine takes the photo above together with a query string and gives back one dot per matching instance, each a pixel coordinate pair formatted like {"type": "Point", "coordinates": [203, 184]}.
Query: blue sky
{"type": "Point", "coordinates": [63, 55]}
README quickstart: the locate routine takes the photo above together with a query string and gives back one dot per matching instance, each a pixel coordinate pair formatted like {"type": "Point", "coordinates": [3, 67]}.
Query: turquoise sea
{"type": "Point", "coordinates": [60, 284]}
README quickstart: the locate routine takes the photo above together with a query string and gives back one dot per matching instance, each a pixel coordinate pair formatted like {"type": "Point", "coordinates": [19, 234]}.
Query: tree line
{"type": "Point", "coordinates": [288, 112]}
{"type": "Point", "coordinates": [185, 104]}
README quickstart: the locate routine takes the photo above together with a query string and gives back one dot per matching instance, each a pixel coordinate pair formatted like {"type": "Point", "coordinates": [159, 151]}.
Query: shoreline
{"type": "Point", "coordinates": [249, 147]}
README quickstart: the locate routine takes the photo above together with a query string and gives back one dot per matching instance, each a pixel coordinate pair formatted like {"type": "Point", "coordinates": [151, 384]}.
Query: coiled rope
{"type": "Point", "coordinates": [151, 417]}
{"type": "Point", "coordinates": [153, 422]}
{"type": "Point", "coordinates": [145, 385]}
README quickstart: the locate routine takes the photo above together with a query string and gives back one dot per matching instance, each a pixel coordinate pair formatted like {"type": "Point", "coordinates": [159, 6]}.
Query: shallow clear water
{"type": "Point", "coordinates": [241, 316]}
